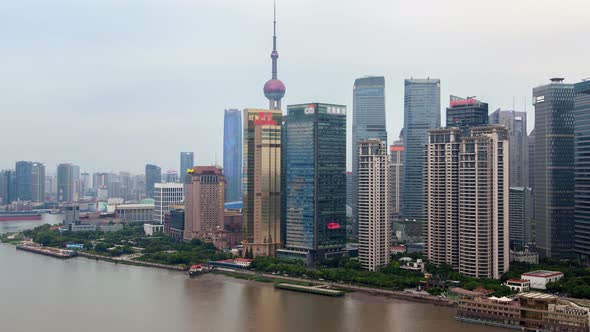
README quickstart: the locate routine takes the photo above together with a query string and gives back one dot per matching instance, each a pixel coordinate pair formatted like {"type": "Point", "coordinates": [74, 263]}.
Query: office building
{"type": "Point", "coordinates": [315, 189]}
{"type": "Point", "coordinates": [515, 123]}
{"type": "Point", "coordinates": [554, 169]}
{"type": "Point", "coordinates": [30, 181]}
{"type": "Point", "coordinates": [582, 169]}
{"type": "Point", "coordinates": [204, 191]}
{"type": "Point", "coordinates": [7, 187]}
{"type": "Point", "coordinates": [232, 154]}
{"type": "Point", "coordinates": [349, 188]}
{"type": "Point", "coordinates": [466, 112]}
{"type": "Point", "coordinates": [174, 222]}
{"type": "Point", "coordinates": [467, 199]}
{"type": "Point", "coordinates": [135, 213]}
{"type": "Point", "coordinates": [262, 181]}
{"type": "Point", "coordinates": [153, 175]}
{"type": "Point", "coordinates": [521, 214]}
{"type": "Point", "coordinates": [396, 175]}
{"type": "Point", "coordinates": [374, 226]}
{"type": "Point", "coordinates": [421, 113]}
{"type": "Point", "coordinates": [187, 162]}
{"type": "Point", "coordinates": [166, 194]}
{"type": "Point", "coordinates": [67, 179]}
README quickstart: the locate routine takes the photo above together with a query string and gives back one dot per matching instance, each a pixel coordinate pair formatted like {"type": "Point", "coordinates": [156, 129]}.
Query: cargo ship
{"type": "Point", "coordinates": [19, 216]}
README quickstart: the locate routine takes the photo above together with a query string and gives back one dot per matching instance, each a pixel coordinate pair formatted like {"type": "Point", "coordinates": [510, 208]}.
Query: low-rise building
{"type": "Point", "coordinates": [518, 285]}
{"type": "Point", "coordinates": [397, 250]}
{"type": "Point", "coordinates": [150, 229]}
{"type": "Point", "coordinates": [540, 278]}
{"type": "Point", "coordinates": [135, 213]}
{"type": "Point", "coordinates": [524, 256]}
{"type": "Point", "coordinates": [418, 265]}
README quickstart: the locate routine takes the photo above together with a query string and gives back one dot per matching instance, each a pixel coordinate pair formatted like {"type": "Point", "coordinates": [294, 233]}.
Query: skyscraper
{"type": "Point", "coordinates": [466, 112]}
{"type": "Point", "coordinates": [274, 89]}
{"type": "Point", "coordinates": [166, 194]}
{"type": "Point", "coordinates": [531, 151]}
{"type": "Point", "coordinates": [315, 184]}
{"type": "Point", "coordinates": [24, 180]}
{"type": "Point", "coordinates": [554, 168]}
{"type": "Point", "coordinates": [66, 191]}
{"type": "Point", "coordinates": [582, 169]}
{"type": "Point", "coordinates": [153, 175]}
{"type": "Point", "coordinates": [262, 181]}
{"type": "Point", "coordinates": [232, 154]}
{"type": "Point", "coordinates": [374, 226]}
{"type": "Point", "coordinates": [421, 113]}
{"type": "Point", "coordinates": [187, 161]}
{"type": "Point", "coordinates": [7, 186]}
{"type": "Point", "coordinates": [521, 214]}
{"type": "Point", "coordinates": [204, 191]}
{"type": "Point", "coordinates": [467, 198]}
{"type": "Point", "coordinates": [396, 174]}
{"type": "Point", "coordinates": [368, 121]}
{"type": "Point", "coordinates": [515, 122]}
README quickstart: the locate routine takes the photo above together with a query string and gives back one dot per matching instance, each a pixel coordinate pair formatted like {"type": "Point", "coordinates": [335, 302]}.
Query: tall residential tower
{"type": "Point", "coordinates": [232, 154]}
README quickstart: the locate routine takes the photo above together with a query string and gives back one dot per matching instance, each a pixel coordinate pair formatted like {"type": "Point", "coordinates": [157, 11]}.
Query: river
{"type": "Point", "coordinates": [39, 293]}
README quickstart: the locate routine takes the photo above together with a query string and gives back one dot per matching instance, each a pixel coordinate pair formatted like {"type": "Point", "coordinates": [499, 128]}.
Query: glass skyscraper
{"type": "Point", "coordinates": [232, 154]}
{"type": "Point", "coordinates": [315, 182]}
{"type": "Point", "coordinates": [67, 179]}
{"type": "Point", "coordinates": [24, 180]}
{"type": "Point", "coordinates": [368, 120]}
{"type": "Point", "coordinates": [466, 112]}
{"type": "Point", "coordinates": [515, 122]}
{"type": "Point", "coordinates": [187, 161]}
{"type": "Point", "coordinates": [421, 113]}
{"type": "Point", "coordinates": [582, 167]}
{"type": "Point", "coordinates": [7, 186]}
{"type": "Point", "coordinates": [554, 169]}
{"type": "Point", "coordinates": [153, 175]}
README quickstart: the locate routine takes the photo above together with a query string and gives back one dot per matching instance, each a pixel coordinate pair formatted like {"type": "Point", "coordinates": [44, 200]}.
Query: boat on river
{"type": "Point", "coordinates": [19, 216]}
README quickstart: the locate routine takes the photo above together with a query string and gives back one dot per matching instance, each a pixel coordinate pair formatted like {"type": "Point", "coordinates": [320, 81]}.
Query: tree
{"type": "Point", "coordinates": [471, 285]}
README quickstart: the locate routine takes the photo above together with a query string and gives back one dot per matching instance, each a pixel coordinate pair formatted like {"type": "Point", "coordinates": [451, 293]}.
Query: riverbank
{"type": "Point", "coordinates": [130, 262]}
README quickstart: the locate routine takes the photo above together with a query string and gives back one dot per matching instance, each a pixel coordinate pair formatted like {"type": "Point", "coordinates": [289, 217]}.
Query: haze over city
{"type": "Point", "coordinates": [113, 85]}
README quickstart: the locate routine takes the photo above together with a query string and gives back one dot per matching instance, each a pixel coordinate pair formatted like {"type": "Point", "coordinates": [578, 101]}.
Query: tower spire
{"type": "Point", "coordinates": [274, 89]}
{"type": "Point", "coordinates": [274, 55]}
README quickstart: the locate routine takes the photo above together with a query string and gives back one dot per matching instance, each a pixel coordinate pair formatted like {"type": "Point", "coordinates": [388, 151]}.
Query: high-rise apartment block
{"type": "Point", "coordinates": [153, 175]}
{"type": "Point", "coordinates": [421, 113]}
{"type": "Point", "coordinates": [521, 214]}
{"type": "Point", "coordinates": [232, 154]}
{"type": "Point", "coordinates": [7, 186]}
{"type": "Point", "coordinates": [30, 181]}
{"type": "Point", "coordinates": [554, 169]}
{"type": "Point", "coordinates": [166, 194]}
{"type": "Point", "coordinates": [515, 123]}
{"type": "Point", "coordinates": [204, 191]}
{"type": "Point", "coordinates": [374, 226]}
{"type": "Point", "coordinates": [368, 121]}
{"type": "Point", "coordinates": [467, 199]}
{"type": "Point", "coordinates": [262, 181]}
{"type": "Point", "coordinates": [582, 169]}
{"type": "Point", "coordinates": [315, 184]}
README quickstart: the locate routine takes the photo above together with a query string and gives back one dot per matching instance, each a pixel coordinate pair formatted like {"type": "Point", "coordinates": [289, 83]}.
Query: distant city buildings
{"type": "Point", "coordinates": [204, 199]}
{"type": "Point", "coordinates": [396, 175]}
{"type": "Point", "coordinates": [374, 226]}
{"type": "Point", "coordinates": [315, 189]}
{"type": "Point", "coordinates": [368, 121]}
{"type": "Point", "coordinates": [68, 177]}
{"type": "Point", "coordinates": [515, 123]}
{"type": "Point", "coordinates": [554, 169]}
{"type": "Point", "coordinates": [582, 169]}
{"type": "Point", "coordinates": [232, 154]}
{"type": "Point", "coordinates": [166, 194]}
{"type": "Point", "coordinates": [7, 186]}
{"type": "Point", "coordinates": [30, 181]}
{"type": "Point", "coordinates": [466, 112]}
{"type": "Point", "coordinates": [421, 113]}
{"type": "Point", "coordinates": [153, 175]}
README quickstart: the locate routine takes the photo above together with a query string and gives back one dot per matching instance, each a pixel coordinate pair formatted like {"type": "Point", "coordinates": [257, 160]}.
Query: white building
{"type": "Point", "coordinates": [150, 229]}
{"type": "Point", "coordinates": [540, 278]}
{"type": "Point", "coordinates": [518, 285]}
{"type": "Point", "coordinates": [374, 225]}
{"type": "Point", "coordinates": [135, 213]}
{"type": "Point", "coordinates": [166, 194]}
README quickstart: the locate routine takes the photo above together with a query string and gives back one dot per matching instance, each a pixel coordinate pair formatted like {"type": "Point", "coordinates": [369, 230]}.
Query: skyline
{"type": "Point", "coordinates": [118, 91]}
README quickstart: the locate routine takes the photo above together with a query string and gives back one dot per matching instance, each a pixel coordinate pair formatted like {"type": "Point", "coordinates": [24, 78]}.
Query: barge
{"type": "Point", "coordinates": [47, 251]}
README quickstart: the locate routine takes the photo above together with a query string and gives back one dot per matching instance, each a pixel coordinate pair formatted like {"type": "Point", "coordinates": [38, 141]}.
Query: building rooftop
{"type": "Point", "coordinates": [134, 206]}
{"type": "Point", "coordinates": [542, 274]}
{"type": "Point", "coordinates": [517, 280]}
{"type": "Point", "coordinates": [535, 295]}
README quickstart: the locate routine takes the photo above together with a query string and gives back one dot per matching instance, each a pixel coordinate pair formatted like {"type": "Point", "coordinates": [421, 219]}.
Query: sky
{"type": "Point", "coordinates": [111, 85]}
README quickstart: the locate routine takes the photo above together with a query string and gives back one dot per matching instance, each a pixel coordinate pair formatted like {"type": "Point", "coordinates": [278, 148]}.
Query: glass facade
{"type": "Point", "coordinates": [153, 175]}
{"type": "Point", "coordinates": [7, 186]}
{"type": "Point", "coordinates": [520, 217]}
{"type": "Point", "coordinates": [582, 169]}
{"type": "Point", "coordinates": [466, 112]}
{"type": "Point", "coordinates": [261, 227]}
{"type": "Point", "coordinates": [187, 161]}
{"type": "Point", "coordinates": [316, 179]}
{"type": "Point", "coordinates": [515, 122]}
{"type": "Point", "coordinates": [232, 154]}
{"type": "Point", "coordinates": [554, 169]}
{"type": "Point", "coordinates": [421, 113]}
{"type": "Point", "coordinates": [24, 180]}
{"type": "Point", "coordinates": [368, 119]}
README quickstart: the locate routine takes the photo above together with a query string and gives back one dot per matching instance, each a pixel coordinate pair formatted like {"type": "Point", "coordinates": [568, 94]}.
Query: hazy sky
{"type": "Point", "coordinates": [115, 84]}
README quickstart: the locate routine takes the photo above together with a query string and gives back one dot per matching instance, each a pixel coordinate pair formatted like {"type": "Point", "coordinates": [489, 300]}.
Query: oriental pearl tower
{"type": "Point", "coordinates": [274, 89]}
